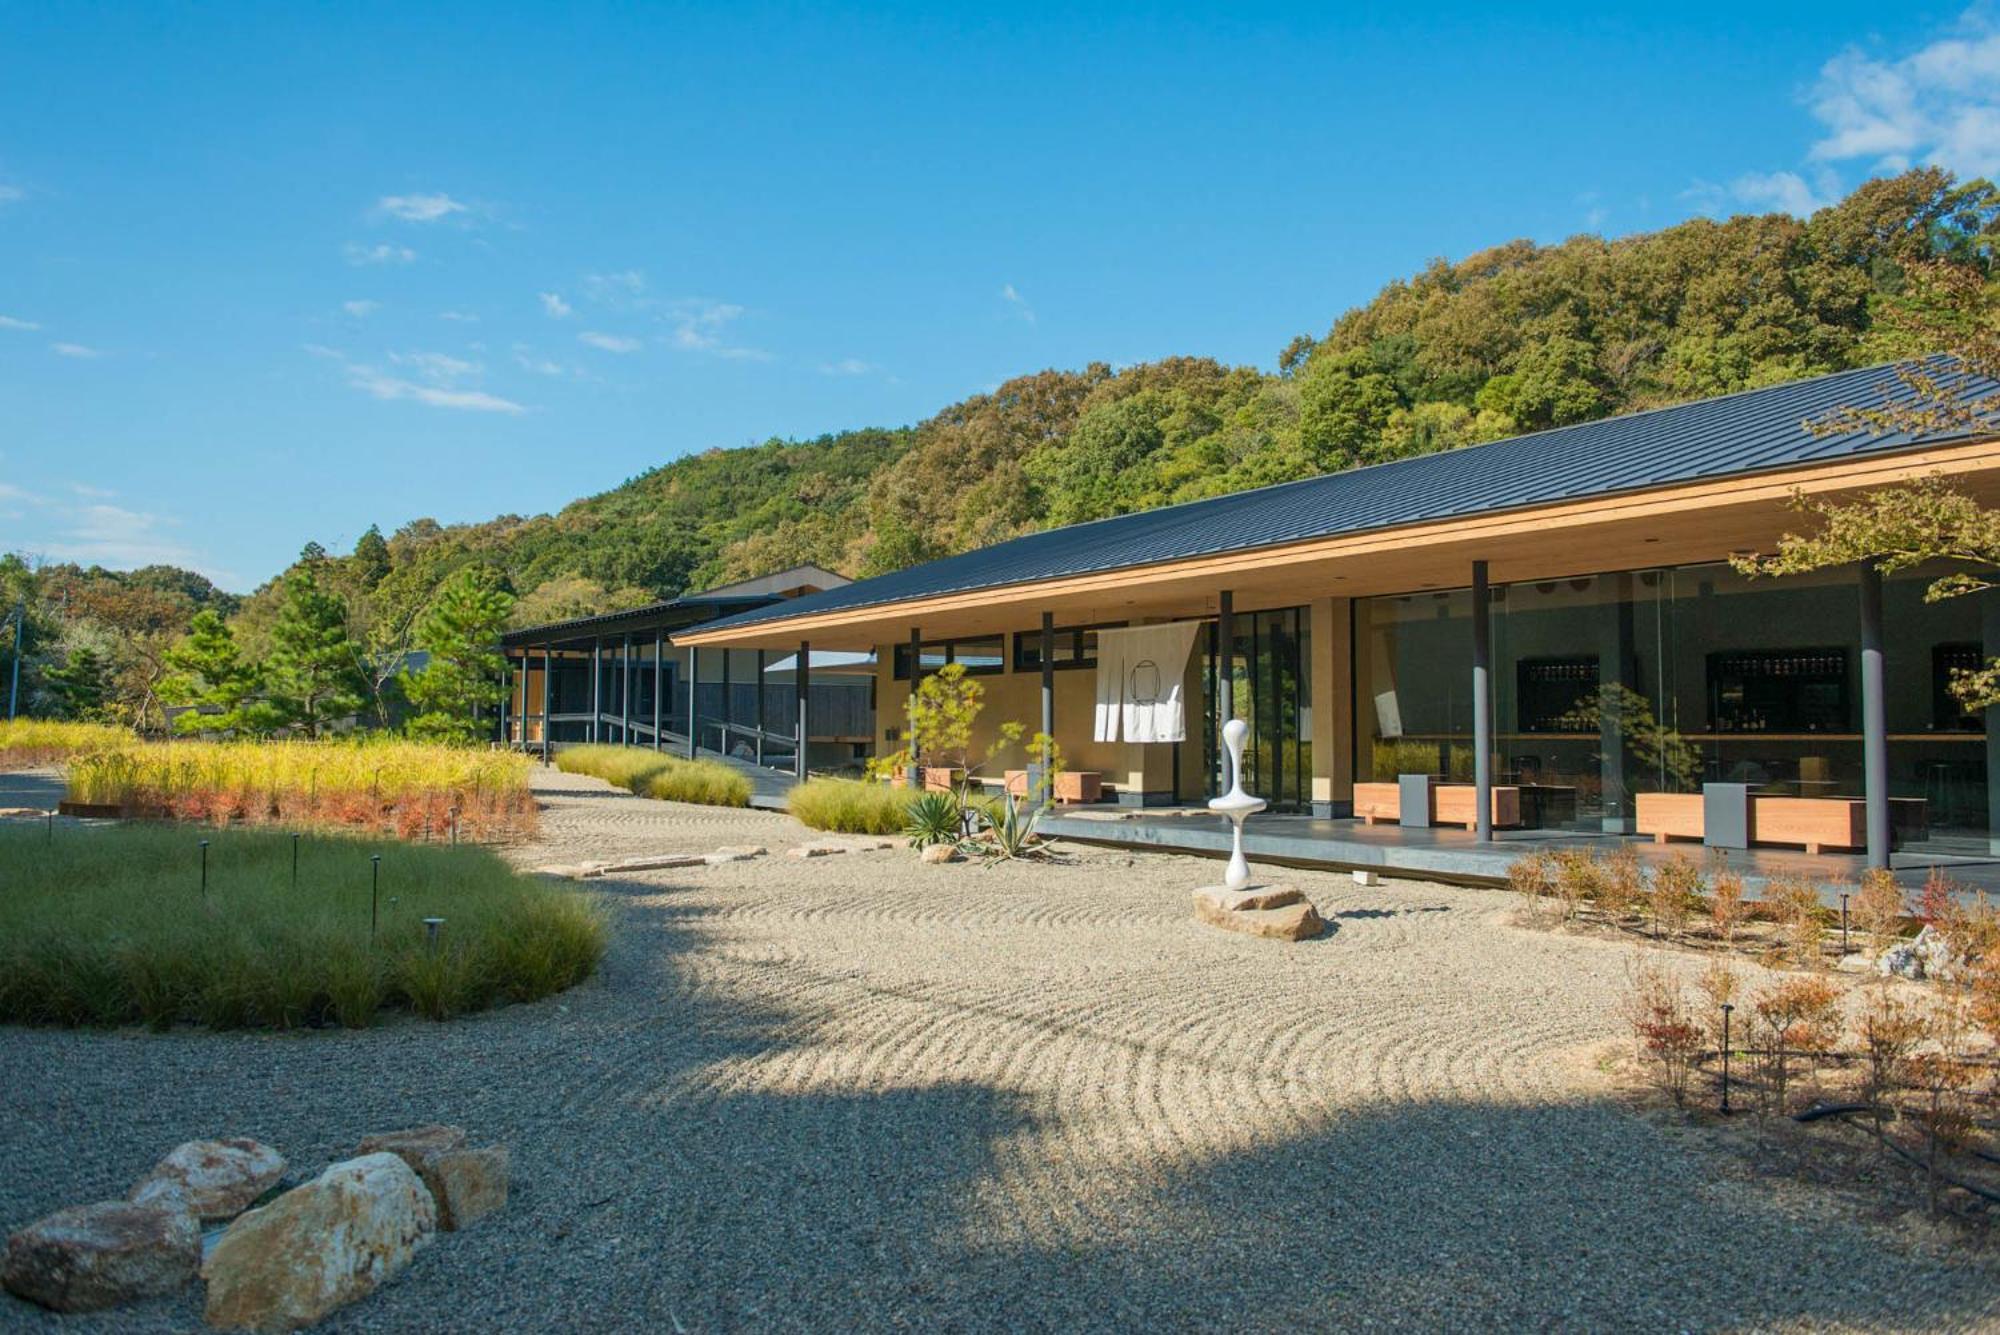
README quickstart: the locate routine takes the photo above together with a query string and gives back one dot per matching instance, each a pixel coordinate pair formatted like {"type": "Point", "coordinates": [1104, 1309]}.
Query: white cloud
{"type": "Point", "coordinates": [1786, 192]}
{"type": "Point", "coordinates": [609, 342]}
{"type": "Point", "coordinates": [697, 324]}
{"type": "Point", "coordinates": [1940, 104]}
{"type": "Point", "coordinates": [111, 535]}
{"type": "Point", "coordinates": [358, 254]}
{"type": "Point", "coordinates": [1018, 302]}
{"type": "Point", "coordinates": [361, 310]}
{"type": "Point", "coordinates": [555, 306]}
{"type": "Point", "coordinates": [528, 360]}
{"type": "Point", "coordinates": [442, 371]}
{"type": "Point", "coordinates": [615, 288]}
{"type": "Point", "coordinates": [438, 367]}
{"type": "Point", "coordinates": [419, 208]}
{"type": "Point", "coordinates": [10, 492]}
{"type": "Point", "coordinates": [9, 322]}
{"type": "Point", "coordinates": [77, 350]}
{"type": "Point", "coordinates": [459, 317]}
{"type": "Point", "coordinates": [96, 493]}
{"type": "Point", "coordinates": [11, 194]}
{"type": "Point", "coordinates": [847, 366]}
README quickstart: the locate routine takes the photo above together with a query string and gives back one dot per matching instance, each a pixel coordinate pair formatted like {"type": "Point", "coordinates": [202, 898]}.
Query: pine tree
{"type": "Point", "coordinates": [372, 561]}
{"type": "Point", "coordinates": [206, 669]}
{"type": "Point", "coordinates": [78, 686]}
{"type": "Point", "coordinates": [314, 671]}
{"type": "Point", "coordinates": [461, 632]}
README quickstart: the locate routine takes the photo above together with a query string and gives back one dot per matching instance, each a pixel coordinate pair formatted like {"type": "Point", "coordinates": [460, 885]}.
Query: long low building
{"type": "Point", "coordinates": [1548, 627]}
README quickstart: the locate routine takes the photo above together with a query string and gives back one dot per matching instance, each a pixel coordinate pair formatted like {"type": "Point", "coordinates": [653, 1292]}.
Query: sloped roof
{"type": "Point", "coordinates": [1750, 432]}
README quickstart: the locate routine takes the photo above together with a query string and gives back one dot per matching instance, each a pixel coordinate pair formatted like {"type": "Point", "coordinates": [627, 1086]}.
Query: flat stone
{"type": "Point", "coordinates": [212, 1179]}
{"type": "Point", "coordinates": [320, 1246]}
{"type": "Point", "coordinates": [568, 871]}
{"type": "Point", "coordinates": [660, 862]}
{"type": "Point", "coordinates": [1250, 897]}
{"type": "Point", "coordinates": [89, 1257]}
{"type": "Point", "coordinates": [468, 1185]}
{"type": "Point", "coordinates": [938, 853]}
{"type": "Point", "coordinates": [813, 851]}
{"type": "Point", "coordinates": [414, 1144]}
{"type": "Point", "coordinates": [740, 851]}
{"type": "Point", "coordinates": [1289, 922]}
{"type": "Point", "coordinates": [23, 813]}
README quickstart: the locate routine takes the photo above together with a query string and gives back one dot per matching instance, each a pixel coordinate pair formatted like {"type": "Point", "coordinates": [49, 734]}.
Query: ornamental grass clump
{"type": "Point", "coordinates": [27, 743]}
{"type": "Point", "coordinates": [382, 786]}
{"type": "Point", "coordinates": [111, 926]}
{"type": "Point", "coordinates": [648, 773]}
{"type": "Point", "coordinates": [851, 806]}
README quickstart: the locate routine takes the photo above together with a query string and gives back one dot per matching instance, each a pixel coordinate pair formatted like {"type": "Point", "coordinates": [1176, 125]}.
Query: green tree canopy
{"type": "Point", "coordinates": [461, 633]}
{"type": "Point", "coordinates": [314, 671]}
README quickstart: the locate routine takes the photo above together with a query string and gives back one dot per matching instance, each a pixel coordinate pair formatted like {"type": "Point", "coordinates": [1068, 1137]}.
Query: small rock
{"type": "Point", "coordinates": [741, 851]}
{"type": "Point", "coordinates": [93, 1256]}
{"type": "Point", "coordinates": [658, 862]}
{"type": "Point", "coordinates": [1249, 897]}
{"type": "Point", "coordinates": [467, 1184]}
{"type": "Point", "coordinates": [938, 853]}
{"type": "Point", "coordinates": [1929, 955]}
{"type": "Point", "coordinates": [212, 1179]}
{"type": "Point", "coordinates": [814, 851]}
{"type": "Point", "coordinates": [320, 1246]}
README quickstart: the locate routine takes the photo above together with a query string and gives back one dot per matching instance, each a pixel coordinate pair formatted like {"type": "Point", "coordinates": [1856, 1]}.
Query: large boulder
{"type": "Point", "coordinates": [1274, 911]}
{"type": "Point", "coordinates": [212, 1179]}
{"type": "Point", "coordinates": [93, 1256]}
{"type": "Point", "coordinates": [467, 1184]}
{"type": "Point", "coordinates": [1930, 954]}
{"type": "Point", "coordinates": [320, 1246]}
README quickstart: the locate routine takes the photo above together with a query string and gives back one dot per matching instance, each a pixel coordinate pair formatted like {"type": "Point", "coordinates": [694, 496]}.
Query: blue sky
{"type": "Point", "coordinates": [274, 273]}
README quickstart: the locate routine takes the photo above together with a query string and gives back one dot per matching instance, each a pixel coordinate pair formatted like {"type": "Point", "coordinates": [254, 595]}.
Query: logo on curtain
{"type": "Point", "coordinates": [1143, 682]}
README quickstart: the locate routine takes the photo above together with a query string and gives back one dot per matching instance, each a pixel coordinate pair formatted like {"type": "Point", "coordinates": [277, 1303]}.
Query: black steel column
{"type": "Point", "coordinates": [916, 676]}
{"type": "Point", "coordinates": [625, 692]}
{"type": "Point", "coordinates": [548, 675]}
{"type": "Point", "coordinates": [802, 680]}
{"type": "Point", "coordinates": [1989, 631]}
{"type": "Point", "coordinates": [1482, 706]}
{"type": "Point", "coordinates": [596, 684]}
{"type": "Point", "coordinates": [659, 681]}
{"type": "Point", "coordinates": [1874, 719]}
{"type": "Point", "coordinates": [1225, 650]}
{"type": "Point", "coordinates": [1048, 693]}
{"type": "Point", "coordinates": [694, 681]}
{"type": "Point", "coordinates": [506, 693]}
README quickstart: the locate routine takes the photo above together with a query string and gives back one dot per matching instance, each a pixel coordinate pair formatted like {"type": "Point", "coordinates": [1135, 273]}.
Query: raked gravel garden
{"type": "Point", "coordinates": [858, 1091]}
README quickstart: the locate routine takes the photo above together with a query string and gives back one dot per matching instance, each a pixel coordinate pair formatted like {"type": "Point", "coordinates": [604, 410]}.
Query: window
{"type": "Point", "coordinates": [1076, 647]}
{"type": "Point", "coordinates": [1550, 692]}
{"type": "Point", "coordinates": [982, 656]}
{"type": "Point", "coordinates": [1947, 714]}
{"type": "Point", "coordinates": [1786, 691]}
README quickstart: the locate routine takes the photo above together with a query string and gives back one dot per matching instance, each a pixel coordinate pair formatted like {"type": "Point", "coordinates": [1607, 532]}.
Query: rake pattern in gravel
{"type": "Point", "coordinates": [859, 1092]}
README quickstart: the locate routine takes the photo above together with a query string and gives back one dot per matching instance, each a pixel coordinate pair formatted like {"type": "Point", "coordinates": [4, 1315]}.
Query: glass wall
{"type": "Point", "coordinates": [1613, 685]}
{"type": "Point", "coordinates": [1271, 690]}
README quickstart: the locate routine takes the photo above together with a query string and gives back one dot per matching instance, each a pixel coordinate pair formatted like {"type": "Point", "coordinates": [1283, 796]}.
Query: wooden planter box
{"type": "Point", "coordinates": [1072, 785]}
{"type": "Point", "coordinates": [1669, 815]}
{"type": "Point", "coordinates": [1812, 823]}
{"type": "Point", "coordinates": [1451, 804]}
{"type": "Point", "coordinates": [90, 810]}
{"type": "Point", "coordinates": [937, 780]}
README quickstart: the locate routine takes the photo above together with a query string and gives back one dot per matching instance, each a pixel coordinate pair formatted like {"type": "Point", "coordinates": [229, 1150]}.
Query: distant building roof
{"type": "Point", "coordinates": [689, 608]}
{"type": "Point", "coordinates": [1749, 432]}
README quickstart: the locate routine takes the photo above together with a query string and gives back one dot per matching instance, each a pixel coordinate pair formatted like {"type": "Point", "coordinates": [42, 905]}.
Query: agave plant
{"type": "Point", "coordinates": [935, 818]}
{"type": "Point", "coordinates": [1010, 830]}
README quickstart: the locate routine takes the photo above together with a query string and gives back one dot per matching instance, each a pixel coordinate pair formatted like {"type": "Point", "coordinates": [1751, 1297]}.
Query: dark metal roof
{"type": "Point", "coordinates": [1749, 432]}
{"type": "Point", "coordinates": [673, 614]}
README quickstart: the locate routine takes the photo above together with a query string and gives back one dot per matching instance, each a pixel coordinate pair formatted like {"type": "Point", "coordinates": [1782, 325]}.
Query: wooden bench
{"type": "Point", "coordinates": [1072, 785]}
{"type": "Point", "coordinates": [1451, 804]}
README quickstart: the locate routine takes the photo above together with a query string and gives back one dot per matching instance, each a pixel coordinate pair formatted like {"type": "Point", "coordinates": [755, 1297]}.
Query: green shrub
{"type": "Point", "coordinates": [851, 806]}
{"type": "Point", "coordinates": [109, 926]}
{"type": "Point", "coordinates": [654, 774]}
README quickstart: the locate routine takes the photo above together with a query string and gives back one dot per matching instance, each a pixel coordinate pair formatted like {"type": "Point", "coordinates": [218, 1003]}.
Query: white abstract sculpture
{"type": "Point", "coordinates": [1236, 804]}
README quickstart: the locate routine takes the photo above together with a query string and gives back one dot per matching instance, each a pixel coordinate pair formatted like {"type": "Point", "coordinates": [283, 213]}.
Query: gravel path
{"type": "Point", "coordinates": [857, 1092]}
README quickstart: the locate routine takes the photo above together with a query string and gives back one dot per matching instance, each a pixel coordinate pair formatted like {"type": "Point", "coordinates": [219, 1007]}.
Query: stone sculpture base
{"type": "Point", "coordinates": [1259, 910]}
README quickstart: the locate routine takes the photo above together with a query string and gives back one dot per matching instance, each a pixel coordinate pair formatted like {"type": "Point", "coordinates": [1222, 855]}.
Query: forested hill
{"type": "Point", "coordinates": [1511, 339]}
